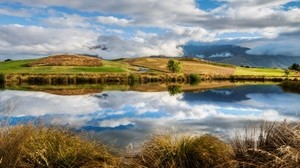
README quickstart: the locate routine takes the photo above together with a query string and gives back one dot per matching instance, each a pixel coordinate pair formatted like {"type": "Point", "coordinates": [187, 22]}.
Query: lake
{"type": "Point", "coordinates": [128, 117]}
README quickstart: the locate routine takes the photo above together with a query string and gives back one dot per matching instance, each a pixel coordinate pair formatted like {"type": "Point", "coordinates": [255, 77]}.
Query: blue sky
{"type": "Point", "coordinates": [132, 28]}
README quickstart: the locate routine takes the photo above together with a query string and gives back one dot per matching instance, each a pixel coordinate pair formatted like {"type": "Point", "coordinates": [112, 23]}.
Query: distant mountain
{"type": "Point", "coordinates": [238, 55]}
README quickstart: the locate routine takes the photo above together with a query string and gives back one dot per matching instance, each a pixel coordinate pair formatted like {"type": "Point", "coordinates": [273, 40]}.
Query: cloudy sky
{"type": "Point", "coordinates": [128, 28]}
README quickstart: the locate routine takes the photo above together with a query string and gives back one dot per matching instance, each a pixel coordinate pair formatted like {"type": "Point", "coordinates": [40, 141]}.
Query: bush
{"type": "Point", "coordinates": [167, 151]}
{"type": "Point", "coordinates": [194, 79]}
{"type": "Point", "coordinates": [29, 146]}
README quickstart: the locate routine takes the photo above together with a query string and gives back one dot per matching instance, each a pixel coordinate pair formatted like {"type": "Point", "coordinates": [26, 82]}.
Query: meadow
{"type": "Point", "coordinates": [275, 72]}
{"type": "Point", "coordinates": [153, 65]}
{"type": "Point", "coordinates": [21, 66]}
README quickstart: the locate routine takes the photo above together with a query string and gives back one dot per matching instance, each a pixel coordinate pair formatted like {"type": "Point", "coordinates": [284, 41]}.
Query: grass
{"type": "Point", "coordinates": [155, 65]}
{"type": "Point", "coordinates": [272, 145]}
{"type": "Point", "coordinates": [168, 151]}
{"type": "Point", "coordinates": [259, 72]}
{"type": "Point", "coordinates": [20, 66]}
{"type": "Point", "coordinates": [268, 145]}
{"type": "Point", "coordinates": [30, 146]}
{"type": "Point", "coordinates": [188, 65]}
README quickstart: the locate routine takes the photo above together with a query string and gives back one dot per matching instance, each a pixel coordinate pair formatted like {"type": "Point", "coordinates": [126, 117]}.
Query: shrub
{"type": "Point", "coordinates": [167, 151]}
{"type": "Point", "coordinates": [29, 146]}
{"type": "Point", "coordinates": [194, 79]}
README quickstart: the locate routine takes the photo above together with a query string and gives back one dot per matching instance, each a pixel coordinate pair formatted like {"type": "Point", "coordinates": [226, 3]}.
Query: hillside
{"type": "Point", "coordinates": [67, 60]}
{"type": "Point", "coordinates": [188, 65]}
{"type": "Point", "coordinates": [140, 65]}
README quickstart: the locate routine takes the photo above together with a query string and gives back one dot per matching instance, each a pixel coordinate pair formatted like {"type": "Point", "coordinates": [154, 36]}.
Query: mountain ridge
{"type": "Point", "coordinates": [237, 55]}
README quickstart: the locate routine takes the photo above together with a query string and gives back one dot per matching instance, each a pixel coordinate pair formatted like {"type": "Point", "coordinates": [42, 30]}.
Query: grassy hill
{"type": "Point", "coordinates": [23, 66]}
{"type": "Point", "coordinates": [156, 65]}
{"type": "Point", "coordinates": [67, 60]}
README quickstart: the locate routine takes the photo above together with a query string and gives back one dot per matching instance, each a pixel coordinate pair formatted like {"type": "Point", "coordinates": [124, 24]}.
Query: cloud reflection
{"type": "Point", "coordinates": [128, 115]}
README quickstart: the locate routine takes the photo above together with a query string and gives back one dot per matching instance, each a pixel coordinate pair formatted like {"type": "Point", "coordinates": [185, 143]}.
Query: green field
{"type": "Point", "coordinates": [259, 71]}
{"type": "Point", "coordinates": [21, 67]}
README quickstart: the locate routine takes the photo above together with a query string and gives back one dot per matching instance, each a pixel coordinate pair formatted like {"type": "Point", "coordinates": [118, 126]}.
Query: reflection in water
{"type": "Point", "coordinates": [124, 117]}
{"type": "Point", "coordinates": [174, 89]}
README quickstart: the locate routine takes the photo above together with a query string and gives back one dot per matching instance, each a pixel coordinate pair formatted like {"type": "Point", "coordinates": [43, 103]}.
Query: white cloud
{"type": "Point", "coordinates": [113, 20]}
{"type": "Point", "coordinates": [34, 40]}
{"type": "Point", "coordinates": [115, 123]}
{"type": "Point", "coordinates": [180, 21]}
{"type": "Point", "coordinates": [15, 12]}
{"type": "Point", "coordinates": [147, 44]}
{"type": "Point", "coordinates": [69, 21]}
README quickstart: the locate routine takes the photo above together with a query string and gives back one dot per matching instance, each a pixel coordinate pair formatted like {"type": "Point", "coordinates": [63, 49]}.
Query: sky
{"type": "Point", "coordinates": [134, 28]}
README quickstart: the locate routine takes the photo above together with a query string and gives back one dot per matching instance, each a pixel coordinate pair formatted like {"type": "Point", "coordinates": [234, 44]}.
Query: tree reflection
{"type": "Point", "coordinates": [174, 89]}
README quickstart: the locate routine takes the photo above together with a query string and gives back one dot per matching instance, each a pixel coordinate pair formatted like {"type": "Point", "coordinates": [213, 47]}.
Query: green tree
{"type": "Point", "coordinates": [295, 67]}
{"type": "Point", "coordinates": [174, 66]}
{"type": "Point", "coordinates": [287, 73]}
{"type": "Point", "coordinates": [194, 79]}
{"type": "Point", "coordinates": [174, 89]}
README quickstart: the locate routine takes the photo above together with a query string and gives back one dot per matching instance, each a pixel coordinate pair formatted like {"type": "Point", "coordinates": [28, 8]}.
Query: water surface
{"type": "Point", "coordinates": [123, 117]}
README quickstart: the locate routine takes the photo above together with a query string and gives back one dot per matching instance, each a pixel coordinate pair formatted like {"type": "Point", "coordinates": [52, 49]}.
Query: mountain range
{"type": "Point", "coordinates": [237, 55]}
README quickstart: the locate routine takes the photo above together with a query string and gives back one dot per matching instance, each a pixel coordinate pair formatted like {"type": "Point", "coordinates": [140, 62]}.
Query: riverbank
{"type": "Point", "coordinates": [126, 78]}
{"type": "Point", "coordinates": [276, 145]}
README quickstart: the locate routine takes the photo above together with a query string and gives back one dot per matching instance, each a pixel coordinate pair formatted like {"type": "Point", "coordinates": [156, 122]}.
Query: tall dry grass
{"type": "Point", "coordinates": [30, 146]}
{"type": "Point", "coordinates": [171, 151]}
{"type": "Point", "coordinates": [273, 145]}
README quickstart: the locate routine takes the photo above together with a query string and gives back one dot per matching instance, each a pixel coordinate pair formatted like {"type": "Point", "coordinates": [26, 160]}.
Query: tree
{"type": "Point", "coordinates": [174, 89]}
{"type": "Point", "coordinates": [295, 67]}
{"type": "Point", "coordinates": [174, 66]}
{"type": "Point", "coordinates": [287, 72]}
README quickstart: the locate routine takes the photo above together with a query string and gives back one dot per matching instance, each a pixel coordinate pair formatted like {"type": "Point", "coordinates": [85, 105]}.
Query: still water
{"type": "Point", "coordinates": [124, 117]}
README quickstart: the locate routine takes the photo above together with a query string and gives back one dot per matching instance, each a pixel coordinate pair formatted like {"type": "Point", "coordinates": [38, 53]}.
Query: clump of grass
{"type": "Point", "coordinates": [273, 145]}
{"type": "Point", "coordinates": [194, 79]}
{"type": "Point", "coordinates": [30, 146]}
{"type": "Point", "coordinates": [167, 151]}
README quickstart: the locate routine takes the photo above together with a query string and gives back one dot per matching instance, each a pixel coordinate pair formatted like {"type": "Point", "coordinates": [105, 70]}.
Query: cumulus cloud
{"type": "Point", "coordinates": [69, 21]}
{"type": "Point", "coordinates": [158, 13]}
{"type": "Point", "coordinates": [147, 44]}
{"type": "Point", "coordinates": [33, 40]}
{"type": "Point", "coordinates": [13, 12]}
{"type": "Point", "coordinates": [178, 22]}
{"type": "Point", "coordinates": [113, 20]}
{"type": "Point", "coordinates": [284, 44]}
